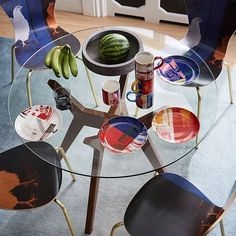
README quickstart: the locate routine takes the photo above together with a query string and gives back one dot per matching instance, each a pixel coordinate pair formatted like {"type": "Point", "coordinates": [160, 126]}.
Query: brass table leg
{"type": "Point", "coordinates": [29, 74]}
{"type": "Point", "coordinates": [230, 82]}
{"type": "Point", "coordinates": [199, 97]}
{"type": "Point", "coordinates": [13, 52]}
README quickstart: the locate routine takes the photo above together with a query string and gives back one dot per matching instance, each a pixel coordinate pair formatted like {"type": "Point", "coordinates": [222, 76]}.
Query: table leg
{"type": "Point", "coordinates": [122, 82]}
{"type": "Point", "coordinates": [94, 182]}
{"type": "Point", "coordinates": [92, 202]}
{"type": "Point", "coordinates": [153, 156]}
{"type": "Point", "coordinates": [71, 134]}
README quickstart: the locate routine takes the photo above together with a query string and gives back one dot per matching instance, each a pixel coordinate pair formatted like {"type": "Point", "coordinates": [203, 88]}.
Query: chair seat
{"type": "Point", "coordinates": [38, 40]}
{"type": "Point", "coordinates": [26, 181]}
{"type": "Point", "coordinates": [169, 205]}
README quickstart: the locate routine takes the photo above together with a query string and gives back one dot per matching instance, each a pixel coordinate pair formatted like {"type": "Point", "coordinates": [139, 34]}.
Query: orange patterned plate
{"type": "Point", "coordinates": [175, 125]}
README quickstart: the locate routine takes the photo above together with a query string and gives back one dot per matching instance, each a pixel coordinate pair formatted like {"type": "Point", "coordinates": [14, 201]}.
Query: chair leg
{"type": "Point", "coordinates": [63, 154]}
{"type": "Point", "coordinates": [136, 112]}
{"type": "Point", "coordinates": [12, 63]}
{"type": "Point", "coordinates": [28, 77]}
{"type": "Point", "coordinates": [222, 230]}
{"type": "Point", "coordinates": [90, 83]}
{"type": "Point", "coordinates": [199, 103]}
{"type": "Point", "coordinates": [66, 216]}
{"type": "Point", "coordinates": [115, 227]}
{"type": "Point", "coordinates": [230, 82]}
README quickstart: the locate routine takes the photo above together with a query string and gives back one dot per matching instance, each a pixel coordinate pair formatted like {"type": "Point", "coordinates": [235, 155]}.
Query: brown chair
{"type": "Point", "coordinates": [27, 181]}
{"type": "Point", "coordinates": [169, 205]}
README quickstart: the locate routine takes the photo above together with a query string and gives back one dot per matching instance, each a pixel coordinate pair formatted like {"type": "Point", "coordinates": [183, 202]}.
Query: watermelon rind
{"type": "Point", "coordinates": [113, 48]}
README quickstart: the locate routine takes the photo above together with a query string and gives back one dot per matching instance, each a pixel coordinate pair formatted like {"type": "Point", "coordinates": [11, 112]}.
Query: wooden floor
{"type": "Point", "coordinates": [73, 22]}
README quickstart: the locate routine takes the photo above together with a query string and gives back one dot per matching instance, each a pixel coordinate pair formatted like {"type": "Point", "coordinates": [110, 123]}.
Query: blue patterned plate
{"type": "Point", "coordinates": [123, 134]}
{"type": "Point", "coordinates": [179, 70]}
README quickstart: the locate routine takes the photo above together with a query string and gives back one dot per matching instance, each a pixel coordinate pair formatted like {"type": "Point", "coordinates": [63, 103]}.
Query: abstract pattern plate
{"type": "Point", "coordinates": [123, 134]}
{"type": "Point", "coordinates": [179, 70]}
{"type": "Point", "coordinates": [175, 125]}
{"type": "Point", "coordinates": [38, 122]}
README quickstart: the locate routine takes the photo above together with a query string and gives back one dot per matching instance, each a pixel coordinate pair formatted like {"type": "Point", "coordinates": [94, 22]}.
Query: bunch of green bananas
{"type": "Point", "coordinates": [62, 61]}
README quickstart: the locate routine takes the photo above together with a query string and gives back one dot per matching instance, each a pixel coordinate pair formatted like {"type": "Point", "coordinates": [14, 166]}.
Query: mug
{"type": "Point", "coordinates": [62, 98]}
{"type": "Point", "coordinates": [144, 65]}
{"type": "Point", "coordinates": [143, 101]}
{"type": "Point", "coordinates": [111, 92]}
{"type": "Point", "coordinates": [143, 86]}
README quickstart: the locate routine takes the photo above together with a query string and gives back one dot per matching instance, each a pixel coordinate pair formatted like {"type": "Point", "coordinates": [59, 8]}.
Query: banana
{"type": "Point", "coordinates": [65, 68]}
{"type": "Point", "coordinates": [48, 57]}
{"type": "Point", "coordinates": [73, 64]}
{"type": "Point", "coordinates": [60, 61]}
{"type": "Point", "coordinates": [55, 61]}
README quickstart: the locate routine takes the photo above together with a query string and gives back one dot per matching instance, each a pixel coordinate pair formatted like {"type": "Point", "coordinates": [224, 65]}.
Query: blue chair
{"type": "Point", "coordinates": [211, 25]}
{"type": "Point", "coordinates": [35, 26]}
{"type": "Point", "coordinates": [169, 205]}
{"type": "Point", "coordinates": [27, 181]}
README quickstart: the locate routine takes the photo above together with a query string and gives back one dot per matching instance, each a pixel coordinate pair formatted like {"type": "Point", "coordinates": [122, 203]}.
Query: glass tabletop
{"type": "Point", "coordinates": [76, 129]}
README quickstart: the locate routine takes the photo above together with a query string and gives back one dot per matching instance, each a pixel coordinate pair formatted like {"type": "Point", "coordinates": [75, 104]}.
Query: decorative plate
{"type": "Point", "coordinates": [90, 53]}
{"type": "Point", "coordinates": [179, 70]}
{"type": "Point", "coordinates": [123, 134]}
{"type": "Point", "coordinates": [38, 122]}
{"type": "Point", "coordinates": [175, 125]}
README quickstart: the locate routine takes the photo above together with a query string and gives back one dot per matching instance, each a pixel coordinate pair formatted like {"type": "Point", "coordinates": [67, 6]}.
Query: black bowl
{"type": "Point", "coordinates": [90, 53]}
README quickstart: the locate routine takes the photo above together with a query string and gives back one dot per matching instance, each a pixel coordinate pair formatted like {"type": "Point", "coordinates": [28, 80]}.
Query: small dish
{"type": "Point", "coordinates": [175, 125]}
{"type": "Point", "coordinates": [123, 134]}
{"type": "Point", "coordinates": [38, 122]}
{"type": "Point", "coordinates": [179, 70]}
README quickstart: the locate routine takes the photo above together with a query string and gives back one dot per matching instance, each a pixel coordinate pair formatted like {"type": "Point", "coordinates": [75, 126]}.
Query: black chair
{"type": "Point", "coordinates": [169, 205]}
{"type": "Point", "coordinates": [28, 182]}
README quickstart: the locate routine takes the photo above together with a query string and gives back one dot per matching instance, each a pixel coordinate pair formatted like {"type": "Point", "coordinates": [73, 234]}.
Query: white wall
{"type": "Point", "coordinates": [69, 5]}
{"type": "Point", "coordinates": [151, 11]}
{"type": "Point", "coordinates": [94, 7]}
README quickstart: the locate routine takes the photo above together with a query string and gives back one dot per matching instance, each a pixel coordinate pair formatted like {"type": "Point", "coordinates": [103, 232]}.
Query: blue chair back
{"type": "Point", "coordinates": [35, 26]}
{"type": "Point", "coordinates": [211, 25]}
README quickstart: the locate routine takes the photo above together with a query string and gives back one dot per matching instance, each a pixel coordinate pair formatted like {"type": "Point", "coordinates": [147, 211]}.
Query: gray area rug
{"type": "Point", "coordinates": [212, 168]}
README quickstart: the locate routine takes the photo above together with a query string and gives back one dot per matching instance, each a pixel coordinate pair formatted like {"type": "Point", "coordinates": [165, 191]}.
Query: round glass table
{"type": "Point", "coordinates": [82, 143]}
{"type": "Point", "coordinates": [76, 130]}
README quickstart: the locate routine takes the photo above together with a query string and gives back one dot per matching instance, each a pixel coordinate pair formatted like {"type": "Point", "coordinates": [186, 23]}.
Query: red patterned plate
{"type": "Point", "coordinates": [123, 134]}
{"type": "Point", "coordinates": [175, 125]}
